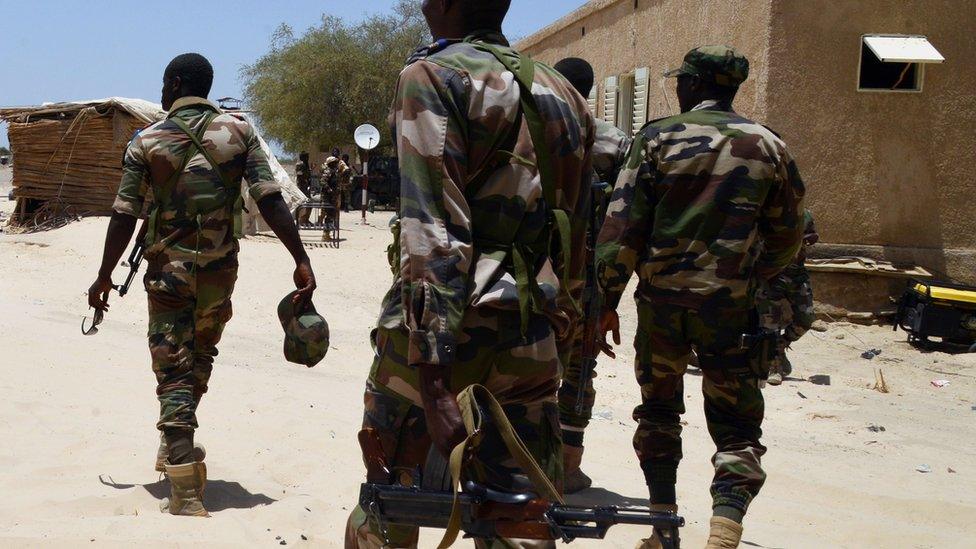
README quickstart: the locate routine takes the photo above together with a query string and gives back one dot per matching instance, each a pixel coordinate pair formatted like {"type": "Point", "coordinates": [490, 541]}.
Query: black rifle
{"type": "Point", "coordinates": [133, 263]}
{"type": "Point", "coordinates": [489, 514]}
{"type": "Point", "coordinates": [591, 297]}
{"type": "Point", "coordinates": [484, 512]}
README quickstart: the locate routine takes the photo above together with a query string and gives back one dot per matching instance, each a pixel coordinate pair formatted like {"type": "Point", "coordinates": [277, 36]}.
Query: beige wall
{"type": "Point", "coordinates": [657, 34]}
{"type": "Point", "coordinates": [889, 175]}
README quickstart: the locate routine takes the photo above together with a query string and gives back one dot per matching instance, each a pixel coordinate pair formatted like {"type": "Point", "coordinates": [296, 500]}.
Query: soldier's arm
{"type": "Point", "coordinates": [781, 220]}
{"type": "Point", "coordinates": [630, 217]}
{"type": "Point", "coordinates": [435, 224]}
{"type": "Point", "coordinates": [266, 191]}
{"type": "Point", "coordinates": [126, 209]}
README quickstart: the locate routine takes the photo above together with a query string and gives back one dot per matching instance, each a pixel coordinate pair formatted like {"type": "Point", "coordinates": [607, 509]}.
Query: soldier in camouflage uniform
{"type": "Point", "coordinates": [191, 165]}
{"type": "Point", "coordinates": [333, 170]}
{"type": "Point", "coordinates": [478, 296]}
{"type": "Point", "coordinates": [608, 155]}
{"type": "Point", "coordinates": [700, 192]}
{"type": "Point", "coordinates": [785, 305]}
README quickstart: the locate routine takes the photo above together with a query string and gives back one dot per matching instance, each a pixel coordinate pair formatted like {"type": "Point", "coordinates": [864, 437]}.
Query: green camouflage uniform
{"type": "Point", "coordinates": [465, 212]}
{"type": "Point", "coordinates": [191, 249]}
{"type": "Point", "coordinates": [699, 193]}
{"type": "Point", "coordinates": [608, 155]}
{"type": "Point", "coordinates": [785, 303]}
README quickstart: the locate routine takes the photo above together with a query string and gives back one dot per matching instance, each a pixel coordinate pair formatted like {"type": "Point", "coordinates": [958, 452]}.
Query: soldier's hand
{"type": "Point", "coordinates": [98, 293]}
{"type": "Point", "coordinates": [441, 409]}
{"type": "Point", "coordinates": [304, 282]}
{"type": "Point", "coordinates": [609, 322]}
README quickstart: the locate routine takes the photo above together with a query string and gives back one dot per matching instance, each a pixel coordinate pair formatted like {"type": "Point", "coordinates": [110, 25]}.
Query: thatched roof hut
{"type": "Point", "coordinates": [73, 151]}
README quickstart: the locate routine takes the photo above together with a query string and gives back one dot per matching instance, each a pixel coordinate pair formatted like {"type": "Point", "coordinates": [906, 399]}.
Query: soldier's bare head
{"type": "Point", "coordinates": [579, 73]}
{"type": "Point", "coordinates": [458, 18]}
{"type": "Point", "coordinates": [189, 74]}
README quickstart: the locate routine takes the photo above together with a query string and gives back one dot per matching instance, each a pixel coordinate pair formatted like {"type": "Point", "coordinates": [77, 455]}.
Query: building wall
{"type": "Point", "coordinates": [889, 175]}
{"type": "Point", "coordinates": [623, 35]}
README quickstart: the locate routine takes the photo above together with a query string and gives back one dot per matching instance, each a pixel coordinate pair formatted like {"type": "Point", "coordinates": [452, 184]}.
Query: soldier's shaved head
{"type": "Point", "coordinates": [579, 73]}
{"type": "Point", "coordinates": [458, 18]}
{"type": "Point", "coordinates": [189, 74]}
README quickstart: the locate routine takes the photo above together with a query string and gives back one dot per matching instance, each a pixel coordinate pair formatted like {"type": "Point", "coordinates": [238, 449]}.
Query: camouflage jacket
{"type": "Point", "coordinates": [700, 192]}
{"type": "Point", "coordinates": [609, 151]}
{"type": "Point", "coordinates": [455, 108]}
{"type": "Point", "coordinates": [151, 162]}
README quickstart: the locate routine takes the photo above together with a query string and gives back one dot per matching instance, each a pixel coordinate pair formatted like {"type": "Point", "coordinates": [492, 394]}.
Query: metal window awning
{"type": "Point", "coordinates": [902, 48]}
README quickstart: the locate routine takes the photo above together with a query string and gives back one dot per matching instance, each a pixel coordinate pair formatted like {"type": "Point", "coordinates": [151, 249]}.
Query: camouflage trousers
{"type": "Point", "coordinates": [666, 335]}
{"type": "Point", "coordinates": [521, 373]}
{"type": "Point", "coordinates": [187, 314]}
{"type": "Point", "coordinates": [574, 423]}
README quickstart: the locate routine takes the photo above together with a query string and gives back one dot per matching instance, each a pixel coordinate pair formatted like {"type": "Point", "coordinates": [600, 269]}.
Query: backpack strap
{"type": "Point", "coordinates": [166, 188]}
{"type": "Point", "coordinates": [235, 198]}
{"type": "Point", "coordinates": [523, 68]}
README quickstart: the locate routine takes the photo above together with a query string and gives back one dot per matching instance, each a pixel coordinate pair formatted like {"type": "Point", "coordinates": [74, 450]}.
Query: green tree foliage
{"type": "Point", "coordinates": [315, 89]}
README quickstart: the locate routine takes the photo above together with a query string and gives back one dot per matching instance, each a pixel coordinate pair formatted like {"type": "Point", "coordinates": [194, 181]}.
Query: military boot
{"type": "Point", "coordinates": [724, 533]}
{"type": "Point", "coordinates": [654, 542]}
{"type": "Point", "coordinates": [187, 481]}
{"type": "Point", "coordinates": [162, 454]}
{"type": "Point", "coordinates": [574, 479]}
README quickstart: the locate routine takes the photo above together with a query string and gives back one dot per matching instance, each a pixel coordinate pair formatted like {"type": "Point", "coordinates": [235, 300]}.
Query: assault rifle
{"type": "Point", "coordinates": [133, 263]}
{"type": "Point", "coordinates": [591, 297]}
{"type": "Point", "coordinates": [487, 513]}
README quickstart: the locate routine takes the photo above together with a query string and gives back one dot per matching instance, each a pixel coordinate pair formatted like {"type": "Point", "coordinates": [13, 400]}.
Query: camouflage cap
{"type": "Point", "coordinates": [721, 65]}
{"type": "Point", "coordinates": [306, 332]}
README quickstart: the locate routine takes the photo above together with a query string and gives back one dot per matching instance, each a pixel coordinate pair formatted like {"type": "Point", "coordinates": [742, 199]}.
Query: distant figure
{"type": "Point", "coordinates": [700, 191]}
{"type": "Point", "coordinates": [193, 161]}
{"type": "Point", "coordinates": [345, 183]}
{"type": "Point", "coordinates": [303, 173]}
{"type": "Point", "coordinates": [785, 305]}
{"type": "Point", "coordinates": [608, 154]}
{"type": "Point", "coordinates": [333, 169]}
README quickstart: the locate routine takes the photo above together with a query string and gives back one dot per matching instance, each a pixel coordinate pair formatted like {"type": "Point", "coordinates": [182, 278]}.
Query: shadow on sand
{"type": "Point", "coordinates": [601, 497]}
{"type": "Point", "coordinates": [219, 496]}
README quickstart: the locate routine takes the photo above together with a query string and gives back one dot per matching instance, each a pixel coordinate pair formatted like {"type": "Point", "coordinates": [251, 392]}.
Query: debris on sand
{"type": "Point", "coordinates": [879, 382]}
{"type": "Point", "coordinates": [923, 468]}
{"type": "Point", "coordinates": [940, 383]}
{"type": "Point", "coordinates": [876, 428]}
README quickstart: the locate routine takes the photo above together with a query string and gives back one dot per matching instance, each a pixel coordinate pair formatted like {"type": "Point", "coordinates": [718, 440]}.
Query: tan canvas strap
{"type": "Point", "coordinates": [472, 401]}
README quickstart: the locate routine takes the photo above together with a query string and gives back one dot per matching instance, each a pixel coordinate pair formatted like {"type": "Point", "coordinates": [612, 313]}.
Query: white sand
{"type": "Point", "coordinates": [77, 437]}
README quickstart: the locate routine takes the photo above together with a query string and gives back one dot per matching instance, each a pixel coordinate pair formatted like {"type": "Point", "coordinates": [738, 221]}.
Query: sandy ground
{"type": "Point", "coordinates": [78, 414]}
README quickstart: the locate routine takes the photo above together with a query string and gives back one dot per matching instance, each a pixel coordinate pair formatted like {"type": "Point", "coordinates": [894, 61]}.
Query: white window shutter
{"type": "Point", "coordinates": [591, 101]}
{"type": "Point", "coordinates": [610, 100]}
{"type": "Point", "coordinates": [642, 79]}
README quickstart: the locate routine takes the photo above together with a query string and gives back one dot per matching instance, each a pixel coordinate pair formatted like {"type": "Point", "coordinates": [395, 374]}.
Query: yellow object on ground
{"type": "Point", "coordinates": [947, 294]}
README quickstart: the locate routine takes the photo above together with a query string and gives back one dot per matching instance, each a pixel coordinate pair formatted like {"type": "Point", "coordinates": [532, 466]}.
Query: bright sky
{"type": "Point", "coordinates": [62, 50]}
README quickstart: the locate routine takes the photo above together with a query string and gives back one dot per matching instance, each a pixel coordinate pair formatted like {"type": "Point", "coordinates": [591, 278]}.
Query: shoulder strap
{"type": "Point", "coordinates": [524, 70]}
{"type": "Point", "coordinates": [199, 145]}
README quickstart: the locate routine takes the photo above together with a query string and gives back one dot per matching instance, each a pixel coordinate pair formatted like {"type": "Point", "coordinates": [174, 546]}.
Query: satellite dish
{"type": "Point", "coordinates": [367, 137]}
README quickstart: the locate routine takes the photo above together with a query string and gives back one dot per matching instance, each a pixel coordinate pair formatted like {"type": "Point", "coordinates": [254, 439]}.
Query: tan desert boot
{"type": "Point", "coordinates": [187, 482]}
{"type": "Point", "coordinates": [653, 542]}
{"type": "Point", "coordinates": [574, 479]}
{"type": "Point", "coordinates": [724, 533]}
{"type": "Point", "coordinates": [199, 453]}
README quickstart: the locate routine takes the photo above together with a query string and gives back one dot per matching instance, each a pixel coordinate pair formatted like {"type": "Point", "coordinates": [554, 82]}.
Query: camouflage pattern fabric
{"type": "Point", "coordinates": [306, 332]}
{"type": "Point", "coordinates": [192, 265]}
{"type": "Point", "coordinates": [187, 314]}
{"type": "Point", "coordinates": [701, 192]}
{"type": "Point", "coordinates": [454, 300]}
{"type": "Point", "coordinates": [462, 208]}
{"type": "Point", "coordinates": [608, 154]}
{"type": "Point", "coordinates": [522, 373]}
{"type": "Point", "coordinates": [666, 335]}
{"type": "Point", "coordinates": [151, 161]}
{"type": "Point", "coordinates": [721, 65]}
